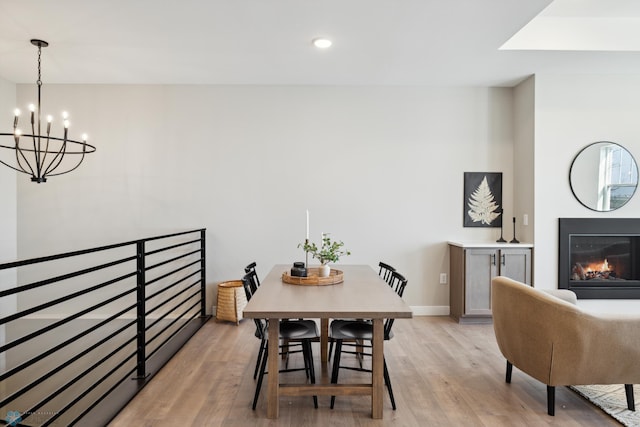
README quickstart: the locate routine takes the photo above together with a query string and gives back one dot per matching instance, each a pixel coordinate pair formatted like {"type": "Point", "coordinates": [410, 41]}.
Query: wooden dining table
{"type": "Point", "coordinates": [362, 295]}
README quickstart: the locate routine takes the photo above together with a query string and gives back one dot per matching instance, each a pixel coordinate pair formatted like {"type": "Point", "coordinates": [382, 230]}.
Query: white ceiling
{"type": "Point", "coordinates": [375, 42]}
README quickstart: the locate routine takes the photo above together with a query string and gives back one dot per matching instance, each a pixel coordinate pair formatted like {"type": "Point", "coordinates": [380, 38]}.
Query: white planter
{"type": "Point", "coordinates": [324, 270]}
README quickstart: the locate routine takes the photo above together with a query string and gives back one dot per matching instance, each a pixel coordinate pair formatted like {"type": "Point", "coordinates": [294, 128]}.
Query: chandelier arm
{"type": "Point", "coordinates": [36, 150]}
{"type": "Point", "coordinates": [46, 151]}
{"type": "Point", "coordinates": [72, 169]}
{"type": "Point", "coordinates": [57, 159]}
{"type": "Point", "coordinates": [14, 168]}
{"type": "Point", "coordinates": [86, 147]}
{"type": "Point", "coordinates": [19, 150]}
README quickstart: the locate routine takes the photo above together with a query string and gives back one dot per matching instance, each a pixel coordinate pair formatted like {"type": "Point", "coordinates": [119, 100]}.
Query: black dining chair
{"type": "Point", "coordinates": [249, 282]}
{"type": "Point", "coordinates": [385, 271]}
{"type": "Point", "coordinates": [354, 334]}
{"type": "Point", "coordinates": [251, 268]}
{"type": "Point", "coordinates": [296, 332]}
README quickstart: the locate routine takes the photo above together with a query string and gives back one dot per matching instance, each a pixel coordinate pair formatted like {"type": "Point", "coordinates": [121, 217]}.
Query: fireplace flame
{"type": "Point", "coordinates": [597, 267]}
{"type": "Point", "coordinates": [594, 270]}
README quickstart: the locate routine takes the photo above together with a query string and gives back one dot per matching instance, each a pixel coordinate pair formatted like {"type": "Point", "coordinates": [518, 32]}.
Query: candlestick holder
{"type": "Point", "coordinates": [501, 239]}
{"type": "Point", "coordinates": [514, 240]}
{"type": "Point", "coordinates": [306, 254]}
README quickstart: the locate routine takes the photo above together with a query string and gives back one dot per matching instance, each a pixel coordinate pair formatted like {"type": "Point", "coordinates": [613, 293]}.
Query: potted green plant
{"type": "Point", "coordinates": [329, 251]}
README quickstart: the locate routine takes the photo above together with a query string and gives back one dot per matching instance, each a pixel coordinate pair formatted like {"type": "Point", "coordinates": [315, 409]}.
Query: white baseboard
{"type": "Point", "coordinates": [430, 310]}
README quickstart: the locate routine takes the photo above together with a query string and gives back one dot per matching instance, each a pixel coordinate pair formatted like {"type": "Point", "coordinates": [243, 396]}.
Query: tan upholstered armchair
{"type": "Point", "coordinates": [557, 343]}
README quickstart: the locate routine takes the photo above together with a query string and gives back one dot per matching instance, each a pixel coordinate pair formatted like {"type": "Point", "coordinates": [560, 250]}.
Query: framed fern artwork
{"type": "Point", "coordinates": [482, 199]}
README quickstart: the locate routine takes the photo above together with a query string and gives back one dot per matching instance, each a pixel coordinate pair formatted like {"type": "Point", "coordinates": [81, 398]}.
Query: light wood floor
{"type": "Point", "coordinates": [443, 374]}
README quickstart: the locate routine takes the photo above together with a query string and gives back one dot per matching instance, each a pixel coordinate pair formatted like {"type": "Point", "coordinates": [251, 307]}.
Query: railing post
{"type": "Point", "coordinates": [140, 311]}
{"type": "Point", "coordinates": [203, 273]}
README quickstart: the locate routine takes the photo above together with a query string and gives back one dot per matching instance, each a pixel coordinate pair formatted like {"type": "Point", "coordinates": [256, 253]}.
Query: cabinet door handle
{"type": "Point", "coordinates": [493, 259]}
{"type": "Point", "coordinates": [503, 259]}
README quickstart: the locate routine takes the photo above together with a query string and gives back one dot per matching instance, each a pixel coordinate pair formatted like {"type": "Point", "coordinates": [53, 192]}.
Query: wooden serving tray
{"type": "Point", "coordinates": [312, 279]}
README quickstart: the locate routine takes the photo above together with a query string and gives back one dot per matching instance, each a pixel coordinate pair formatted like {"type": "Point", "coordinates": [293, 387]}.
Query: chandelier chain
{"type": "Point", "coordinates": [39, 81]}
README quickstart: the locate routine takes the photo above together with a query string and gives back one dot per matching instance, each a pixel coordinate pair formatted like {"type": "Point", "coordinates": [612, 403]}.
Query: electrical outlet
{"type": "Point", "coordinates": [443, 278]}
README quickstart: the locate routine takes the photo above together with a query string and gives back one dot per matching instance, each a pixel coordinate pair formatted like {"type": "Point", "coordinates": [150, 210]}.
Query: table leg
{"type": "Point", "coordinates": [377, 375]}
{"type": "Point", "coordinates": [324, 340]}
{"type": "Point", "coordinates": [273, 395]}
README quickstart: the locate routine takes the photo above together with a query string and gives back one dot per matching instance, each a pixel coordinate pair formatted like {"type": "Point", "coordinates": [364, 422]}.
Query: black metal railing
{"type": "Point", "coordinates": [82, 332]}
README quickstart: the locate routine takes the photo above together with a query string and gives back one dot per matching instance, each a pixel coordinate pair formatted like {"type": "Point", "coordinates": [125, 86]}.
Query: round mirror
{"type": "Point", "coordinates": [603, 176]}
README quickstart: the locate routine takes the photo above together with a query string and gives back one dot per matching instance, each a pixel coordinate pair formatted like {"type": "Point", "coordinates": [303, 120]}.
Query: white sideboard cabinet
{"type": "Point", "coordinates": [471, 268]}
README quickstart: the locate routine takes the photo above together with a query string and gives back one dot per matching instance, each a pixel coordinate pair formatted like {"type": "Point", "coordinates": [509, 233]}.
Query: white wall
{"type": "Point", "coordinates": [8, 209]}
{"type": "Point", "coordinates": [8, 203]}
{"type": "Point", "coordinates": [380, 168]}
{"type": "Point", "coordinates": [524, 148]}
{"type": "Point", "coordinates": [570, 113]}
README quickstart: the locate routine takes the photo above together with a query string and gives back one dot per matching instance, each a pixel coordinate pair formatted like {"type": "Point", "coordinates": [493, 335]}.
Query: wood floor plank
{"type": "Point", "coordinates": [443, 374]}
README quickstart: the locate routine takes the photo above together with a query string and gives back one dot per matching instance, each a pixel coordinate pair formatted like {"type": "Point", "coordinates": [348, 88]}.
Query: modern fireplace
{"type": "Point", "coordinates": [599, 258]}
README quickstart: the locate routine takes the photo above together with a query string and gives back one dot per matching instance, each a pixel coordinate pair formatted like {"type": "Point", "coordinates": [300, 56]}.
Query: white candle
{"type": "Point", "coordinates": [307, 225]}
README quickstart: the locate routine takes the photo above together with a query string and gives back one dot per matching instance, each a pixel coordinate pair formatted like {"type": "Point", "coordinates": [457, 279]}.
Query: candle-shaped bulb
{"type": "Point", "coordinates": [16, 114]}
{"type": "Point", "coordinates": [17, 133]}
{"type": "Point", "coordinates": [66, 129]}
{"type": "Point", "coordinates": [49, 120]}
{"type": "Point", "coordinates": [32, 108]}
{"type": "Point", "coordinates": [84, 137]}
{"type": "Point", "coordinates": [65, 115]}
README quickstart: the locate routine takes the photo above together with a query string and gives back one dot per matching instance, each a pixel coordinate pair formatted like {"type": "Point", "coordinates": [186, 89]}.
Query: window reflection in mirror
{"type": "Point", "coordinates": [603, 176]}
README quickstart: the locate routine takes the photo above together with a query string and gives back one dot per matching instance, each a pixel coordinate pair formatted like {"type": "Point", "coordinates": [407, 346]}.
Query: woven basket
{"type": "Point", "coordinates": [231, 301]}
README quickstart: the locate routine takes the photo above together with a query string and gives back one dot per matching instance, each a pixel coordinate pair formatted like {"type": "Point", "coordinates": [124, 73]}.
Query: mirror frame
{"type": "Point", "coordinates": [574, 165]}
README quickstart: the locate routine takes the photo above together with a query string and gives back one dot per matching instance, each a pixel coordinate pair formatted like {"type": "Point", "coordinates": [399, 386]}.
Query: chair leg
{"type": "Point", "coordinates": [551, 400]}
{"type": "Point", "coordinates": [387, 379]}
{"type": "Point", "coordinates": [628, 390]}
{"type": "Point", "coordinates": [330, 349]}
{"type": "Point", "coordinates": [336, 368]}
{"type": "Point", "coordinates": [509, 371]}
{"type": "Point", "coordinates": [263, 368]}
{"type": "Point", "coordinates": [311, 372]}
{"type": "Point", "coordinates": [359, 352]}
{"type": "Point", "coordinates": [260, 353]}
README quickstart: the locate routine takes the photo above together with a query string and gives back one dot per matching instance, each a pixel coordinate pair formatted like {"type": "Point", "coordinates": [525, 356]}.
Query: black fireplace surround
{"type": "Point", "coordinates": [599, 258]}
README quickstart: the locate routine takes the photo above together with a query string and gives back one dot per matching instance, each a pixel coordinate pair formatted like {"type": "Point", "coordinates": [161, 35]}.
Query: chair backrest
{"type": "Point", "coordinates": [385, 271]}
{"type": "Point", "coordinates": [251, 273]}
{"type": "Point", "coordinates": [398, 283]}
{"type": "Point", "coordinates": [247, 284]}
{"type": "Point", "coordinates": [250, 267]}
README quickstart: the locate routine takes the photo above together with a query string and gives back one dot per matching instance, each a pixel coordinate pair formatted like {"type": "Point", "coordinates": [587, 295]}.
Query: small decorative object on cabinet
{"type": "Point", "coordinates": [514, 232]}
{"type": "Point", "coordinates": [501, 239]}
{"type": "Point", "coordinates": [471, 268]}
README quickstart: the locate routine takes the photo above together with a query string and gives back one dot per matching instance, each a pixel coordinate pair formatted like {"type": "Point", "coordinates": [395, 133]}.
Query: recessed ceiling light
{"type": "Point", "coordinates": [321, 43]}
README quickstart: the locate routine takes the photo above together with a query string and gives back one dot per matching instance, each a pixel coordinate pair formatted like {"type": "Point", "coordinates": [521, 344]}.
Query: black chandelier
{"type": "Point", "coordinates": [42, 155]}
